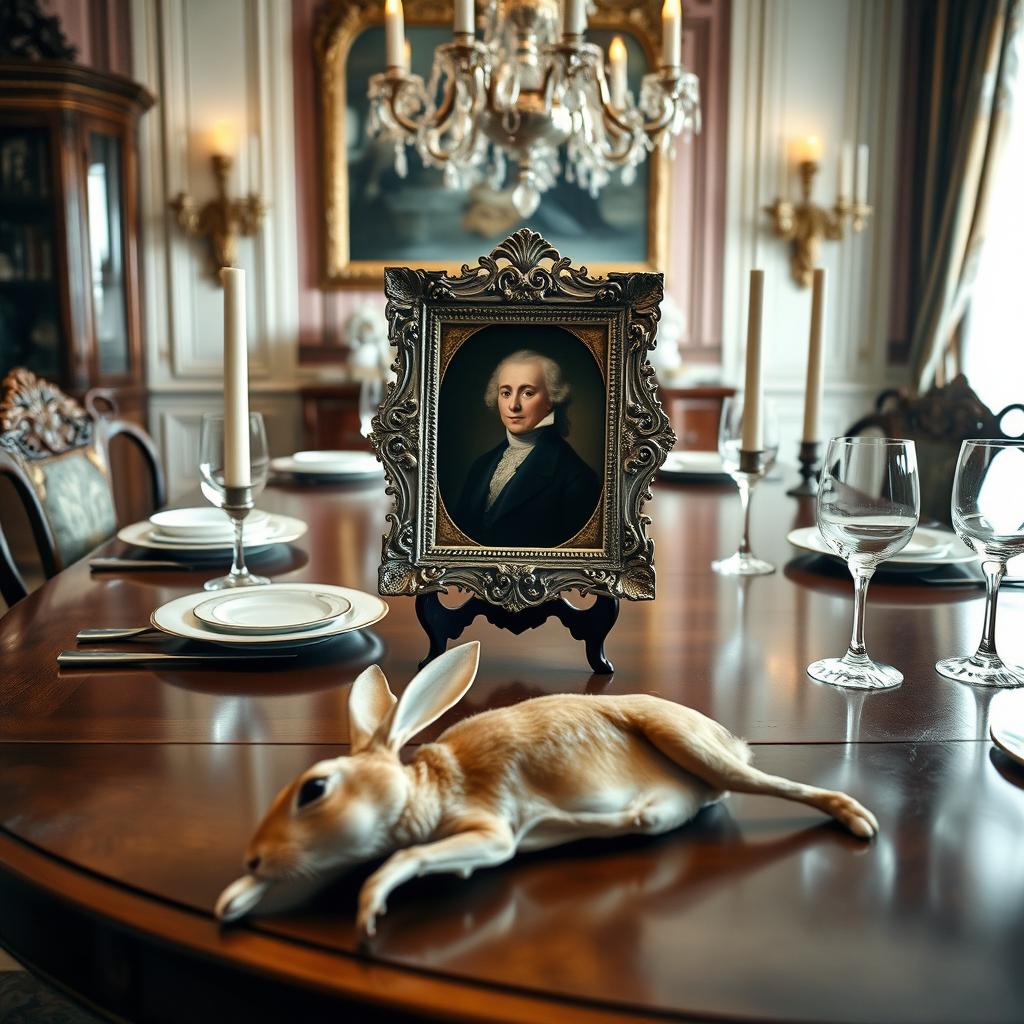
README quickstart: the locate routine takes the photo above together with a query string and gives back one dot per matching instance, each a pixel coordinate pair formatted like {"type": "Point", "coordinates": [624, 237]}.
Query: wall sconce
{"type": "Point", "coordinates": [221, 220]}
{"type": "Point", "coordinates": [805, 224]}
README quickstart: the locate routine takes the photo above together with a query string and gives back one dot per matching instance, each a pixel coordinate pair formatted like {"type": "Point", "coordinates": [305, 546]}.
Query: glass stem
{"type": "Point", "coordinates": [744, 488]}
{"type": "Point", "coordinates": [238, 564]}
{"type": "Point", "coordinates": [994, 572]}
{"type": "Point", "coordinates": [858, 651]}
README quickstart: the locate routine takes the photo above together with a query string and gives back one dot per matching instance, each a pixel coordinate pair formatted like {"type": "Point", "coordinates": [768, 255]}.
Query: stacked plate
{"type": "Point", "coordinates": [695, 467]}
{"type": "Point", "coordinates": [209, 529]}
{"type": "Point", "coordinates": [278, 615]}
{"type": "Point", "coordinates": [329, 465]}
{"type": "Point", "coordinates": [927, 549]}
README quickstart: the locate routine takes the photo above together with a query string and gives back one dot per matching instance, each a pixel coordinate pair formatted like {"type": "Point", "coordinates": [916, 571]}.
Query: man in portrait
{"type": "Point", "coordinates": [532, 490]}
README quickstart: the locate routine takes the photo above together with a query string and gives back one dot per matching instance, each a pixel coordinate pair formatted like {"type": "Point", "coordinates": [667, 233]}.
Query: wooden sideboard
{"type": "Point", "coordinates": [330, 415]}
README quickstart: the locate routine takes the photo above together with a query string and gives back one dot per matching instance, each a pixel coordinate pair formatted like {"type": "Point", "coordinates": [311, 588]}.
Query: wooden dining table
{"type": "Point", "coordinates": [127, 797]}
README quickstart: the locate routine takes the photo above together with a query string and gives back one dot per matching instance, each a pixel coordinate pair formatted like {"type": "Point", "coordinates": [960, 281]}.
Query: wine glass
{"type": "Point", "coordinates": [237, 501]}
{"type": "Point", "coordinates": [371, 392]}
{"type": "Point", "coordinates": [730, 429]}
{"type": "Point", "coordinates": [988, 515]}
{"type": "Point", "coordinates": [869, 502]}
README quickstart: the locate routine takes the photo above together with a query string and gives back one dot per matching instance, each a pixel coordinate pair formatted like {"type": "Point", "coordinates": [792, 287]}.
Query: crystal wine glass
{"type": "Point", "coordinates": [988, 515]}
{"type": "Point", "coordinates": [237, 502]}
{"type": "Point", "coordinates": [869, 502]}
{"type": "Point", "coordinates": [371, 393]}
{"type": "Point", "coordinates": [730, 429]}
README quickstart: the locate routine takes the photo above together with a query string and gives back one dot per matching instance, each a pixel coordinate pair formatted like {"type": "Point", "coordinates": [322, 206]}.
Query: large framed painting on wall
{"type": "Point", "coordinates": [373, 218]}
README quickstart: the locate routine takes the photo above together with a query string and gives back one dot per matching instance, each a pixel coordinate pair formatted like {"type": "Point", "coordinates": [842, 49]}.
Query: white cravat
{"type": "Point", "coordinates": [519, 446]}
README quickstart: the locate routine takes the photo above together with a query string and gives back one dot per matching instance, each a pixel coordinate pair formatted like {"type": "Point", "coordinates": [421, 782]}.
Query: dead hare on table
{"type": "Point", "coordinates": [546, 771]}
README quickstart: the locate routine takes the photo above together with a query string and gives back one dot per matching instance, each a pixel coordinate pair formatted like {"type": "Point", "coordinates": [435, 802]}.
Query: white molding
{"type": "Point", "coordinates": [181, 299]}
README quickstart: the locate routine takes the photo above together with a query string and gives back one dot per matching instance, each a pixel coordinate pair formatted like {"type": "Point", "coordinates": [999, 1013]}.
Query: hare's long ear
{"type": "Point", "coordinates": [369, 703]}
{"type": "Point", "coordinates": [430, 693]}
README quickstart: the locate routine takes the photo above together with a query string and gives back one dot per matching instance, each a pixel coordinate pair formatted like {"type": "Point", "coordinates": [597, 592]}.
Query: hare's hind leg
{"type": "Point", "coordinates": [702, 747]}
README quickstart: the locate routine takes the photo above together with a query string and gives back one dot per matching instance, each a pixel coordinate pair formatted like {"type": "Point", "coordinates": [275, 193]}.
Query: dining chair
{"type": "Point", "coordinates": [937, 422]}
{"type": "Point", "coordinates": [57, 454]}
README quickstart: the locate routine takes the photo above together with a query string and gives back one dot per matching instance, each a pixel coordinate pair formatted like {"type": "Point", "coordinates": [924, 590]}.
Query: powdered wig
{"type": "Point", "coordinates": [554, 383]}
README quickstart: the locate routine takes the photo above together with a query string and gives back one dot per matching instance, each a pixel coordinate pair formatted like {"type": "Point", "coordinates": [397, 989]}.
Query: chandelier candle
{"type": "Point", "coordinates": [671, 34]}
{"type": "Point", "coordinates": [752, 437]}
{"type": "Point", "coordinates": [236, 381]}
{"type": "Point", "coordinates": [618, 73]}
{"type": "Point", "coordinates": [465, 21]}
{"type": "Point", "coordinates": [574, 21]}
{"type": "Point", "coordinates": [394, 33]}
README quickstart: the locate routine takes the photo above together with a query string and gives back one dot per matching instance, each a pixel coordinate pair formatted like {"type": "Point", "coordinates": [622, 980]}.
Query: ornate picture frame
{"type": "Point", "coordinates": [341, 23]}
{"type": "Point", "coordinates": [524, 287]}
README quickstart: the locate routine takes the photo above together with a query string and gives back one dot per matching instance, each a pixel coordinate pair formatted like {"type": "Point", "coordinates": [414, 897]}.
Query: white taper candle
{"type": "Point", "coordinates": [862, 173]}
{"type": "Point", "coordinates": [237, 470]}
{"type": "Point", "coordinates": [815, 361]}
{"type": "Point", "coordinates": [752, 436]}
{"type": "Point", "coordinates": [846, 171]}
{"type": "Point", "coordinates": [394, 33]}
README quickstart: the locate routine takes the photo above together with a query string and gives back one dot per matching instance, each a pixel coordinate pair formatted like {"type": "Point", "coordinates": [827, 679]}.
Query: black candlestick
{"type": "Point", "coordinates": [810, 469]}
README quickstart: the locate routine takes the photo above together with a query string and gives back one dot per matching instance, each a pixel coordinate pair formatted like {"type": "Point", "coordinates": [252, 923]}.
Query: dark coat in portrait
{"type": "Point", "coordinates": [549, 498]}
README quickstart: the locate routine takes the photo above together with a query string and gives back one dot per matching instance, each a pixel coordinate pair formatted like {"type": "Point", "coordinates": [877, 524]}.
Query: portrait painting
{"type": "Point", "coordinates": [523, 431]}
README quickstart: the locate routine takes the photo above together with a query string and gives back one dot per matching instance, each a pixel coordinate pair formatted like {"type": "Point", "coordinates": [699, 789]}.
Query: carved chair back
{"type": "Point", "coordinates": [937, 422]}
{"type": "Point", "coordinates": [57, 454]}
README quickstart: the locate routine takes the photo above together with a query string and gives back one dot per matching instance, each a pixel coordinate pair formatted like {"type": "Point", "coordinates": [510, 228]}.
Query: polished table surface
{"type": "Point", "coordinates": [127, 798]}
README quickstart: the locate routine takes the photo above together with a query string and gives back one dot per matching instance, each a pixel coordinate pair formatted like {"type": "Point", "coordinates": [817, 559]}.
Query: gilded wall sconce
{"type": "Point", "coordinates": [222, 219]}
{"type": "Point", "coordinates": [804, 224]}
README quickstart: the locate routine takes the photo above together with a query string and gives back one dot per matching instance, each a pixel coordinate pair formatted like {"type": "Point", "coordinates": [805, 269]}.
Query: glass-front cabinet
{"type": "Point", "coordinates": [69, 282]}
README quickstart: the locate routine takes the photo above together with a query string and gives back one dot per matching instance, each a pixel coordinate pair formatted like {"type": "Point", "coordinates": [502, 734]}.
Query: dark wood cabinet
{"type": "Point", "coordinates": [69, 273]}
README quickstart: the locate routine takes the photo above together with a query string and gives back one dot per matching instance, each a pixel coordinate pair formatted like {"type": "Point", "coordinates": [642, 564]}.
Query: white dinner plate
{"type": "Point", "coordinates": [279, 530]}
{"type": "Point", "coordinates": [346, 464]}
{"type": "Point", "coordinates": [694, 465]}
{"type": "Point", "coordinates": [178, 619]}
{"type": "Point", "coordinates": [930, 547]}
{"type": "Point", "coordinates": [1006, 724]}
{"type": "Point", "coordinates": [256, 611]}
{"type": "Point", "coordinates": [203, 523]}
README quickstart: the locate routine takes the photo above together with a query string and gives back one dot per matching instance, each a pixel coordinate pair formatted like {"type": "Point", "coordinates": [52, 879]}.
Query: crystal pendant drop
{"type": "Point", "coordinates": [525, 198]}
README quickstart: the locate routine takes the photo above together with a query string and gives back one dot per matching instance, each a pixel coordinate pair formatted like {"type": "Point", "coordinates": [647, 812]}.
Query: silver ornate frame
{"type": "Point", "coordinates": [523, 280]}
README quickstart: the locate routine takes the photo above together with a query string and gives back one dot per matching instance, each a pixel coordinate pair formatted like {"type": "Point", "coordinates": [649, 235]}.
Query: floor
{"type": "Point", "coordinates": [24, 999]}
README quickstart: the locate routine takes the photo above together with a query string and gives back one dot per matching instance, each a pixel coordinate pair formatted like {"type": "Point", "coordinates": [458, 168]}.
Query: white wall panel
{"type": "Point", "coordinates": [827, 68]}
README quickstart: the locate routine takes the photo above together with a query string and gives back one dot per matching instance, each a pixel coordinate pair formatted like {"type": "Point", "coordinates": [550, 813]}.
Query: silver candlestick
{"type": "Point", "coordinates": [810, 470]}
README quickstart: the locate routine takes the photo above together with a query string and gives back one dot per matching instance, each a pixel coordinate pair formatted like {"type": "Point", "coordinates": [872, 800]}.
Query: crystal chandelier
{"type": "Point", "coordinates": [531, 85]}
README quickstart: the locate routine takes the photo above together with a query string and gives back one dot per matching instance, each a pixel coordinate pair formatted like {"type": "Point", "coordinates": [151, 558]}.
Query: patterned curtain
{"type": "Point", "coordinates": [969, 72]}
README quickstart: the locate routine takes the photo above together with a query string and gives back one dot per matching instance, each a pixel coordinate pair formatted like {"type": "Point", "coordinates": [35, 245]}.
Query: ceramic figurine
{"type": "Point", "coordinates": [539, 773]}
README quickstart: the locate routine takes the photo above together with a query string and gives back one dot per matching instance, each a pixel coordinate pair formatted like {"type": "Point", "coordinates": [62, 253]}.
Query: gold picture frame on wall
{"type": "Point", "coordinates": [367, 227]}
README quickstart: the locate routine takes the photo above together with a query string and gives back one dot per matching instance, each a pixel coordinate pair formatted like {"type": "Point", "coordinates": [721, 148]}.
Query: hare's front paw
{"type": "Point", "coordinates": [372, 905]}
{"type": "Point", "coordinates": [857, 818]}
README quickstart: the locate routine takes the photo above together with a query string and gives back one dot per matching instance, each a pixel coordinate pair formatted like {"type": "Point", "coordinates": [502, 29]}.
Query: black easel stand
{"type": "Point", "coordinates": [591, 625]}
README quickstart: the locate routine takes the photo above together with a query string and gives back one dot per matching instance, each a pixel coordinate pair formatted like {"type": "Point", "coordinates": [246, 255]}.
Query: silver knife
{"type": "Point", "coordinates": [94, 635]}
{"type": "Point", "coordinates": [143, 565]}
{"type": "Point", "coordinates": [91, 659]}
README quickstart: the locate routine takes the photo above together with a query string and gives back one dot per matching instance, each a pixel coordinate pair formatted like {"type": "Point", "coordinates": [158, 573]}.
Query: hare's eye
{"type": "Point", "coordinates": [311, 790]}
